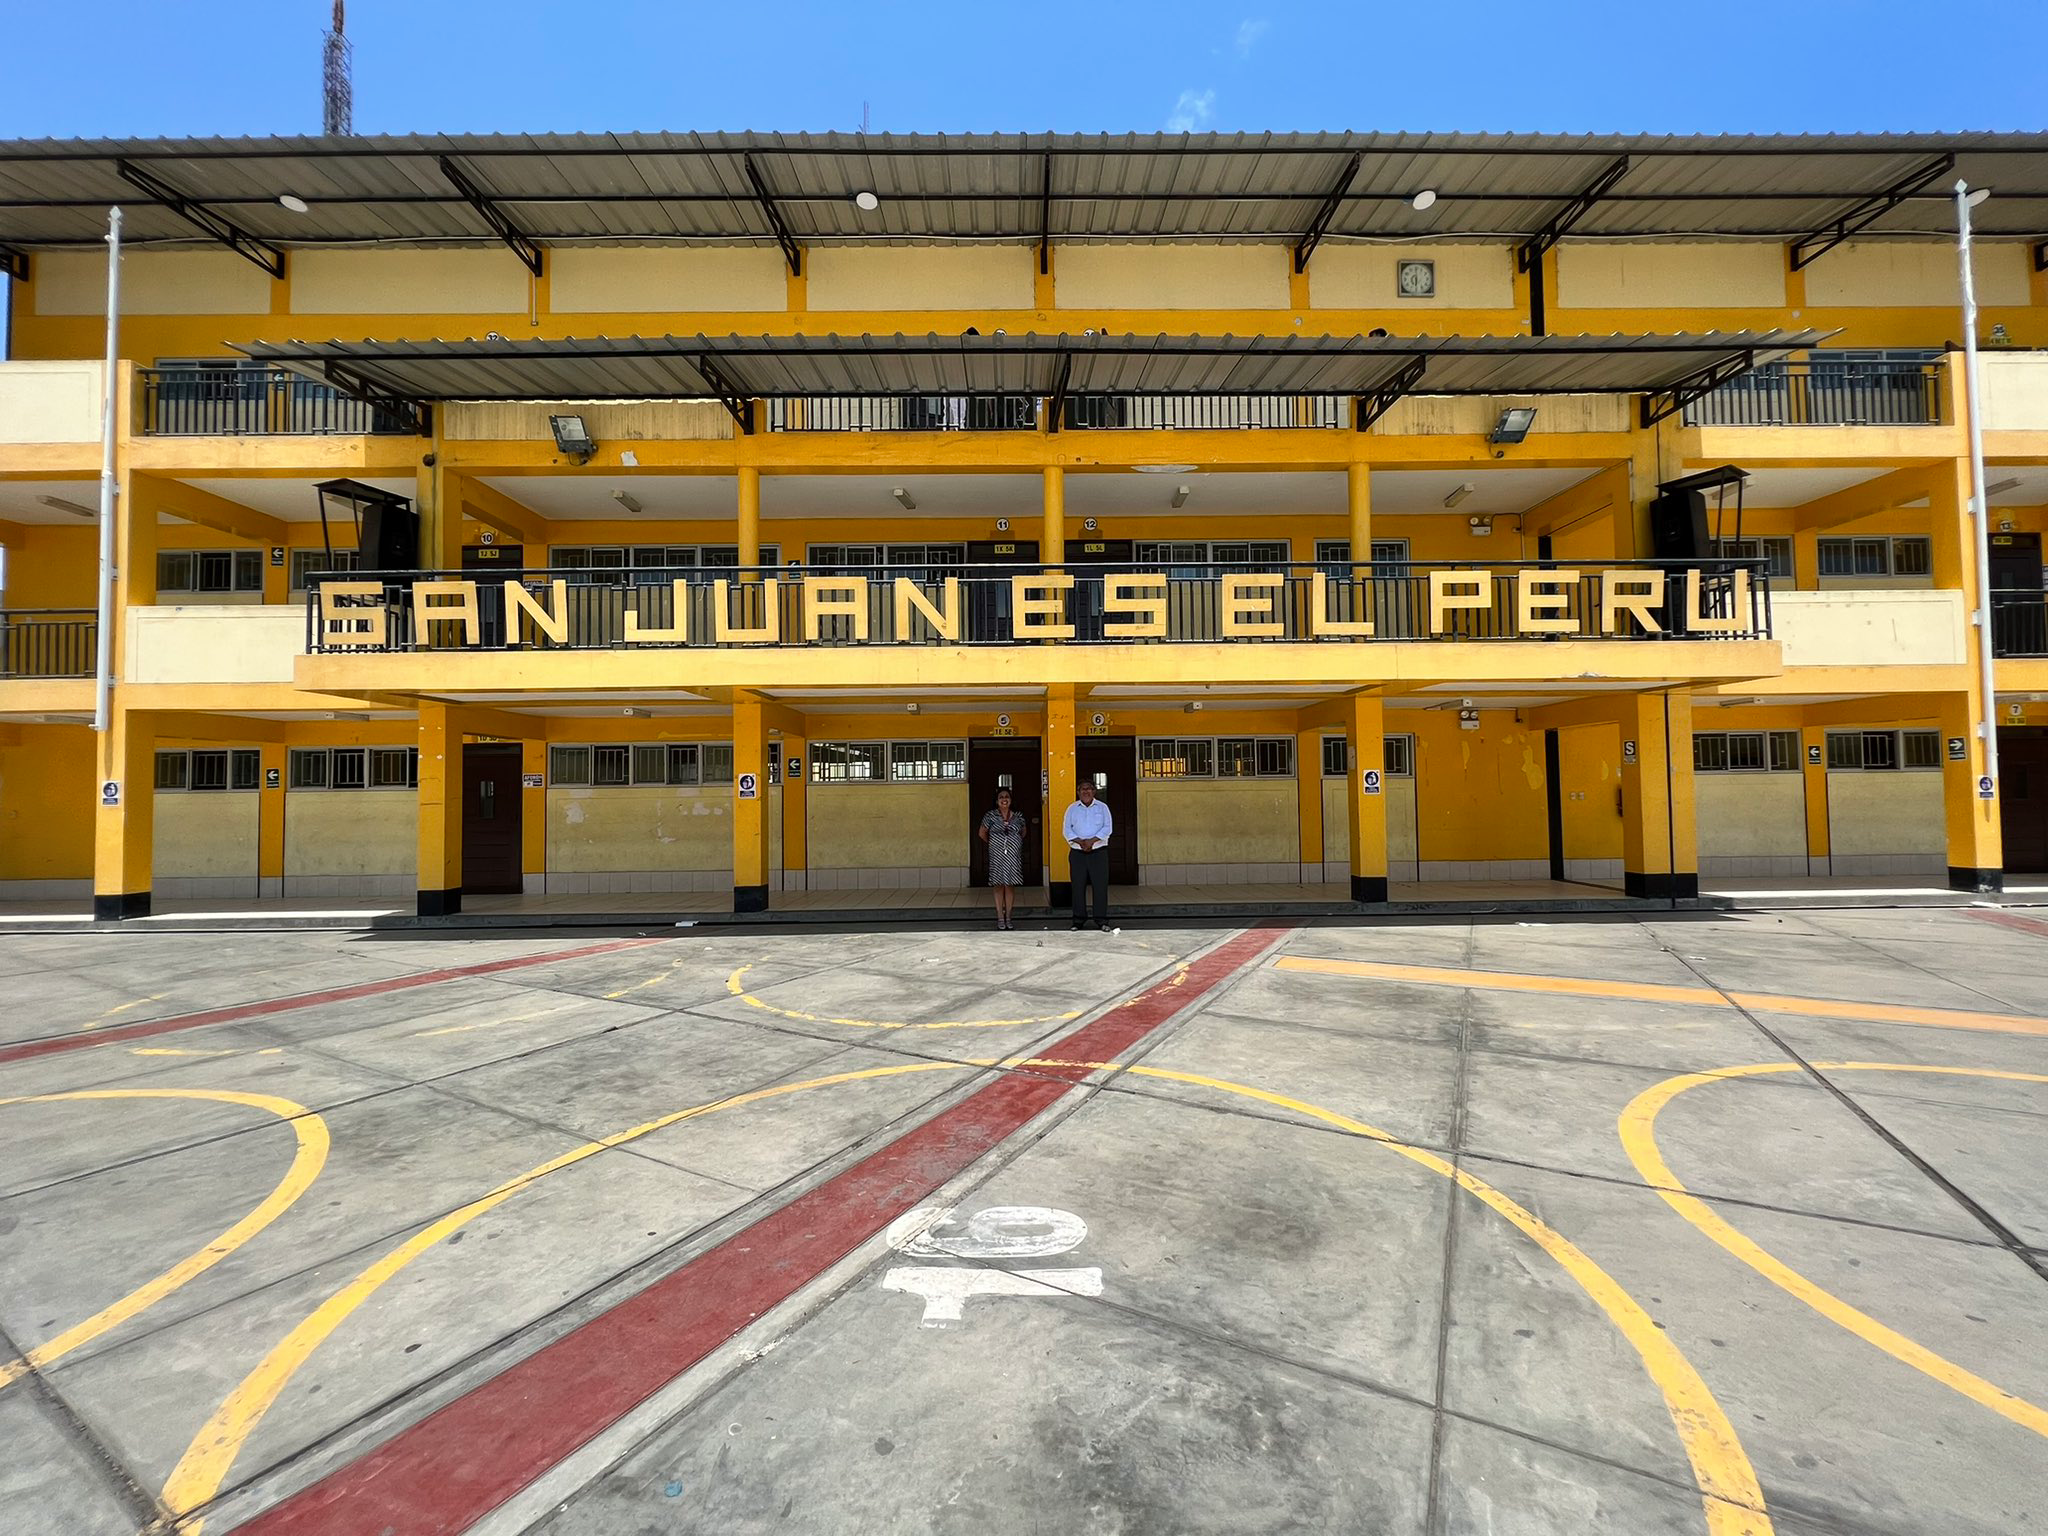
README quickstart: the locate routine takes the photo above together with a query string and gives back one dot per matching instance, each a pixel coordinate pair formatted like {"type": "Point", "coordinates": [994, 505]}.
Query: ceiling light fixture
{"type": "Point", "coordinates": [1514, 424]}
{"type": "Point", "coordinates": [1979, 196]}
{"type": "Point", "coordinates": [1460, 494]}
{"type": "Point", "coordinates": [627, 500]}
{"type": "Point", "coordinates": [866, 202]}
{"type": "Point", "coordinates": [76, 509]}
{"type": "Point", "coordinates": [904, 499]}
{"type": "Point", "coordinates": [1164, 469]}
{"type": "Point", "coordinates": [1995, 488]}
{"type": "Point", "coordinates": [1424, 200]}
{"type": "Point", "coordinates": [291, 202]}
{"type": "Point", "coordinates": [1181, 493]}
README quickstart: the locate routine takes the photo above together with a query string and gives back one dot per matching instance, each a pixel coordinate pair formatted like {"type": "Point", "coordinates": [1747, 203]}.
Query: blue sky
{"type": "Point", "coordinates": [116, 67]}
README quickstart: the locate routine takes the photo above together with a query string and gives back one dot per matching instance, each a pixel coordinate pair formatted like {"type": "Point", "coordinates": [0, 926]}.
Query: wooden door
{"type": "Point", "coordinates": [1112, 761]}
{"type": "Point", "coordinates": [490, 563]}
{"type": "Point", "coordinates": [491, 820]}
{"type": "Point", "coordinates": [1011, 763]}
{"type": "Point", "coordinates": [2023, 799]}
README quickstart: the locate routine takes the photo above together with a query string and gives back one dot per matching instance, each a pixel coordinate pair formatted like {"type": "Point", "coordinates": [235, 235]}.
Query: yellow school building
{"type": "Point", "coordinates": [710, 523]}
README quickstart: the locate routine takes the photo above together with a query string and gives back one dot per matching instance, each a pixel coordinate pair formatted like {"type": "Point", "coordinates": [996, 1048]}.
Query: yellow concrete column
{"type": "Point", "coordinates": [270, 808]}
{"type": "Point", "coordinates": [1358, 501]}
{"type": "Point", "coordinates": [533, 813]}
{"type": "Point", "coordinates": [1659, 834]}
{"type": "Point", "coordinates": [135, 549]}
{"type": "Point", "coordinates": [796, 855]}
{"type": "Point", "coordinates": [1308, 794]}
{"type": "Point", "coordinates": [124, 823]}
{"type": "Point", "coordinates": [1365, 796]}
{"type": "Point", "coordinates": [1654, 457]}
{"type": "Point", "coordinates": [749, 803]}
{"type": "Point", "coordinates": [1052, 538]}
{"type": "Point", "coordinates": [440, 811]}
{"type": "Point", "coordinates": [1976, 853]}
{"type": "Point", "coordinates": [1813, 739]}
{"type": "Point", "coordinates": [1059, 789]}
{"type": "Point", "coordinates": [750, 515]}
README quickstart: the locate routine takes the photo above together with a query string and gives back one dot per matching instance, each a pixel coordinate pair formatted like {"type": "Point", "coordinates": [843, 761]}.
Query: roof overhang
{"type": "Point", "coordinates": [744, 368]}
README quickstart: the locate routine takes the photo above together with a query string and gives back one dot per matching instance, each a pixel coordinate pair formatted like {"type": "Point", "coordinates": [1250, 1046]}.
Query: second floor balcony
{"type": "Point", "coordinates": [48, 642]}
{"type": "Point", "coordinates": [229, 401]}
{"type": "Point", "coordinates": [1845, 388]}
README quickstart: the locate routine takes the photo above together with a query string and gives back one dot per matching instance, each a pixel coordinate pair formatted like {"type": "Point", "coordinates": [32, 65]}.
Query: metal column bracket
{"type": "Point", "coordinates": [2041, 255]}
{"type": "Point", "coordinates": [1056, 407]}
{"type": "Point", "coordinates": [1045, 219]}
{"type": "Point", "coordinates": [1531, 250]}
{"type": "Point", "coordinates": [791, 251]}
{"type": "Point", "coordinates": [1369, 408]}
{"type": "Point", "coordinates": [1874, 207]}
{"type": "Point", "coordinates": [522, 246]}
{"type": "Point", "coordinates": [14, 263]}
{"type": "Point", "coordinates": [267, 256]}
{"type": "Point", "coordinates": [1319, 225]}
{"type": "Point", "coordinates": [737, 405]}
{"type": "Point", "coordinates": [1659, 404]}
{"type": "Point", "coordinates": [416, 414]}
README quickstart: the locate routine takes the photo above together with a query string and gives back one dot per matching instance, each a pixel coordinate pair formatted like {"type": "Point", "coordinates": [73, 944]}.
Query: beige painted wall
{"type": "Point", "coordinates": [1171, 276]}
{"type": "Point", "coordinates": [51, 402]}
{"type": "Point", "coordinates": [1751, 814]}
{"type": "Point", "coordinates": [1898, 274]}
{"type": "Point", "coordinates": [621, 421]}
{"type": "Point", "coordinates": [1857, 626]}
{"type": "Point", "coordinates": [215, 643]}
{"type": "Point", "coordinates": [922, 277]}
{"type": "Point", "coordinates": [1400, 821]}
{"type": "Point", "coordinates": [596, 831]}
{"type": "Point", "coordinates": [1344, 276]}
{"type": "Point", "coordinates": [198, 835]}
{"type": "Point", "coordinates": [407, 283]}
{"type": "Point", "coordinates": [350, 832]}
{"type": "Point", "coordinates": [660, 280]}
{"type": "Point", "coordinates": [1897, 812]}
{"type": "Point", "coordinates": [887, 826]}
{"type": "Point", "coordinates": [152, 283]}
{"type": "Point", "coordinates": [1217, 821]}
{"type": "Point", "coordinates": [1722, 275]}
{"type": "Point", "coordinates": [1440, 414]}
{"type": "Point", "coordinates": [2015, 391]}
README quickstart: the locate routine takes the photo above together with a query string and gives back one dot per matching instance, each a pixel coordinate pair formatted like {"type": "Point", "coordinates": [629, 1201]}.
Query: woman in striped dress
{"type": "Point", "coordinates": [1004, 831]}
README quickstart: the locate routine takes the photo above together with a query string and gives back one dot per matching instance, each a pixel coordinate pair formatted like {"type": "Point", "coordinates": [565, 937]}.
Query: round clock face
{"type": "Point", "coordinates": [1417, 279]}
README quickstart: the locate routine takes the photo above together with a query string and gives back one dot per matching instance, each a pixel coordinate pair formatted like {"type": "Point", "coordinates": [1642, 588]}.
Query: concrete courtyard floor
{"type": "Point", "coordinates": [1723, 1222]}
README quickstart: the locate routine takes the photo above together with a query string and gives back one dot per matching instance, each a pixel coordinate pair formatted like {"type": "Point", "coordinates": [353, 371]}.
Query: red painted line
{"type": "Point", "coordinates": [78, 1042]}
{"type": "Point", "coordinates": [2032, 925]}
{"type": "Point", "coordinates": [455, 1466]}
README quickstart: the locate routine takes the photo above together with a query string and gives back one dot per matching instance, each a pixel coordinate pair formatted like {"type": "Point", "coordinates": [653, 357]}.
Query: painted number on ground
{"type": "Point", "coordinates": [997, 1233]}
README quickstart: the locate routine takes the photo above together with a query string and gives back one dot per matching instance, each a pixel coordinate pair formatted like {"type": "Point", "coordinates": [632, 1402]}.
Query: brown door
{"type": "Point", "coordinates": [1112, 761]}
{"type": "Point", "coordinates": [490, 594]}
{"type": "Point", "coordinates": [1011, 764]}
{"type": "Point", "coordinates": [2023, 798]}
{"type": "Point", "coordinates": [490, 820]}
{"type": "Point", "coordinates": [987, 593]}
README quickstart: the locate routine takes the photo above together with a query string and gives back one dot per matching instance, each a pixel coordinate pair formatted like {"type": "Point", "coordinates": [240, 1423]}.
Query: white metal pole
{"type": "Point", "coordinates": [1987, 721]}
{"type": "Point", "coordinates": [108, 485]}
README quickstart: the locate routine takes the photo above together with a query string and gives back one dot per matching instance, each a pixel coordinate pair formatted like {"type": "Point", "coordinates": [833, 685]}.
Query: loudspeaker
{"type": "Point", "coordinates": [1678, 526]}
{"type": "Point", "coordinates": [390, 537]}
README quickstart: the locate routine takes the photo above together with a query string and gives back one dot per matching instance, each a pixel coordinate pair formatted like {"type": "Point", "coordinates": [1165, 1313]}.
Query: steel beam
{"type": "Point", "coordinates": [1874, 207]}
{"type": "Point", "coordinates": [738, 405]}
{"type": "Point", "coordinates": [1659, 404]}
{"type": "Point", "coordinates": [791, 251]}
{"type": "Point", "coordinates": [267, 256]}
{"type": "Point", "coordinates": [1320, 224]}
{"type": "Point", "coordinates": [1369, 408]}
{"type": "Point", "coordinates": [1045, 219]}
{"type": "Point", "coordinates": [522, 246]}
{"type": "Point", "coordinates": [1056, 407]}
{"type": "Point", "coordinates": [14, 263]}
{"type": "Point", "coordinates": [1531, 250]}
{"type": "Point", "coordinates": [2041, 255]}
{"type": "Point", "coordinates": [418, 414]}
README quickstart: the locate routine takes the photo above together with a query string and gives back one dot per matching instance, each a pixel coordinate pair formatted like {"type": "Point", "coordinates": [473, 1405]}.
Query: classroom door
{"type": "Point", "coordinates": [491, 820]}
{"type": "Point", "coordinates": [2023, 799]}
{"type": "Point", "coordinates": [1112, 761]}
{"type": "Point", "coordinates": [1007, 763]}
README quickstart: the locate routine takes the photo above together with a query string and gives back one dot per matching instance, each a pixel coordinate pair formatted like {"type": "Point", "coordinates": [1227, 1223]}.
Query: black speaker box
{"type": "Point", "coordinates": [390, 537]}
{"type": "Point", "coordinates": [1678, 526]}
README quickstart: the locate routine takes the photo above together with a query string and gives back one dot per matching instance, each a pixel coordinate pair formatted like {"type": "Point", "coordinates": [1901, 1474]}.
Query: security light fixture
{"type": "Point", "coordinates": [912, 708]}
{"type": "Point", "coordinates": [1424, 200]}
{"type": "Point", "coordinates": [866, 202]}
{"type": "Point", "coordinates": [904, 499]}
{"type": "Point", "coordinates": [1195, 707]}
{"type": "Point", "coordinates": [291, 202]}
{"type": "Point", "coordinates": [76, 509]}
{"type": "Point", "coordinates": [635, 714]}
{"type": "Point", "coordinates": [1460, 494]}
{"type": "Point", "coordinates": [1181, 493]}
{"type": "Point", "coordinates": [1514, 424]}
{"type": "Point", "coordinates": [572, 437]}
{"type": "Point", "coordinates": [627, 500]}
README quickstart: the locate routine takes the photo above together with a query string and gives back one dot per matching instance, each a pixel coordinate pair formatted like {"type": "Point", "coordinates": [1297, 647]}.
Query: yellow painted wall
{"type": "Point", "coordinates": [606, 281]}
{"type": "Point", "coordinates": [1432, 415]}
{"type": "Point", "coordinates": [200, 835]}
{"type": "Point", "coordinates": [1721, 275]}
{"type": "Point", "coordinates": [1589, 776]}
{"type": "Point", "coordinates": [1752, 815]}
{"type": "Point", "coordinates": [1346, 276]}
{"type": "Point", "coordinates": [619, 421]}
{"type": "Point", "coordinates": [1479, 794]}
{"type": "Point", "coordinates": [152, 283]}
{"type": "Point", "coordinates": [51, 402]}
{"type": "Point", "coordinates": [915, 277]}
{"type": "Point", "coordinates": [601, 830]}
{"type": "Point", "coordinates": [1400, 794]}
{"type": "Point", "coordinates": [46, 804]}
{"type": "Point", "coordinates": [1899, 274]}
{"type": "Point", "coordinates": [52, 565]}
{"type": "Point", "coordinates": [887, 826]}
{"type": "Point", "coordinates": [457, 282]}
{"type": "Point", "coordinates": [350, 832]}
{"type": "Point", "coordinates": [1898, 812]}
{"type": "Point", "coordinates": [1171, 276]}
{"type": "Point", "coordinates": [1217, 821]}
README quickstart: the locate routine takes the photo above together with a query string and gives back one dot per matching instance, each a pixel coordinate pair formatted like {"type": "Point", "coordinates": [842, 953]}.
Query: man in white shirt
{"type": "Point", "coordinates": [1087, 828]}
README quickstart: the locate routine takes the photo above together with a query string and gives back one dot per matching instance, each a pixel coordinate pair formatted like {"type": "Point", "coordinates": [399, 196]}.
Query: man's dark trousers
{"type": "Point", "coordinates": [1090, 867]}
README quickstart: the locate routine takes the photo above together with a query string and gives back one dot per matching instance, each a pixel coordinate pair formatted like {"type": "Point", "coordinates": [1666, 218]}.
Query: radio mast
{"type": "Point", "coordinates": [338, 98]}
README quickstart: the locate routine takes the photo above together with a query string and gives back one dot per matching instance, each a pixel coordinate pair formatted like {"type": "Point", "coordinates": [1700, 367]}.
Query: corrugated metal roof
{"type": "Point", "coordinates": [770, 367]}
{"type": "Point", "coordinates": [694, 188]}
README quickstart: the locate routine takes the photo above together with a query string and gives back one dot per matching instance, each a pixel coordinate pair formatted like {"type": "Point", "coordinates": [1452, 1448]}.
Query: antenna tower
{"type": "Point", "coordinates": [338, 97]}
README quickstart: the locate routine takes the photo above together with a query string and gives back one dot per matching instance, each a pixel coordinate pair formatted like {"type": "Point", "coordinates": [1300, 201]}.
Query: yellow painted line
{"type": "Point", "coordinates": [1655, 992]}
{"type": "Point", "coordinates": [737, 988]}
{"type": "Point", "coordinates": [1638, 1127]}
{"type": "Point", "coordinates": [306, 1164]}
{"type": "Point", "coordinates": [517, 1018]}
{"type": "Point", "coordinates": [120, 1008]}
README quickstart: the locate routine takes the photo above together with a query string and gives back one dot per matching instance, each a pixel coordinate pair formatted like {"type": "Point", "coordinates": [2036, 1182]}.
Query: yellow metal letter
{"type": "Point", "coordinates": [446, 602]}
{"type": "Point", "coordinates": [1738, 606]}
{"type": "Point", "coordinates": [833, 597]}
{"type": "Point", "coordinates": [767, 632]}
{"type": "Point", "coordinates": [1532, 602]}
{"type": "Point", "coordinates": [910, 599]}
{"type": "Point", "coordinates": [1240, 604]}
{"type": "Point", "coordinates": [1455, 591]}
{"type": "Point", "coordinates": [1635, 592]}
{"type": "Point", "coordinates": [1319, 621]}
{"type": "Point", "coordinates": [1030, 609]}
{"type": "Point", "coordinates": [678, 633]}
{"type": "Point", "coordinates": [1121, 594]}
{"type": "Point", "coordinates": [552, 621]}
{"type": "Point", "coordinates": [345, 624]}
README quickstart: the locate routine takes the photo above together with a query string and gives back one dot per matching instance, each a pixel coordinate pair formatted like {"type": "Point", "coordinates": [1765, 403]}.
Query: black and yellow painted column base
{"type": "Point", "coordinates": [124, 824]}
{"type": "Point", "coordinates": [1659, 833]}
{"type": "Point", "coordinates": [440, 810]}
{"type": "Point", "coordinates": [1365, 796]}
{"type": "Point", "coordinates": [1975, 832]}
{"type": "Point", "coordinates": [1059, 793]}
{"type": "Point", "coordinates": [750, 803]}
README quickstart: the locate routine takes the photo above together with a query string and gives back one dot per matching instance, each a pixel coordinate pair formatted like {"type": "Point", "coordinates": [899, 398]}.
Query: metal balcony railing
{"type": "Point", "coordinates": [905, 413]}
{"type": "Point", "coordinates": [1022, 413]}
{"type": "Point", "coordinates": [1823, 391]}
{"type": "Point", "coordinates": [49, 642]}
{"type": "Point", "coordinates": [1156, 605]}
{"type": "Point", "coordinates": [255, 402]}
{"type": "Point", "coordinates": [2019, 621]}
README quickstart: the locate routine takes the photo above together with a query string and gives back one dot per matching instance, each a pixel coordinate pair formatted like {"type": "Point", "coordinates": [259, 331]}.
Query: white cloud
{"type": "Point", "coordinates": [1248, 34]}
{"type": "Point", "coordinates": [1191, 112]}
